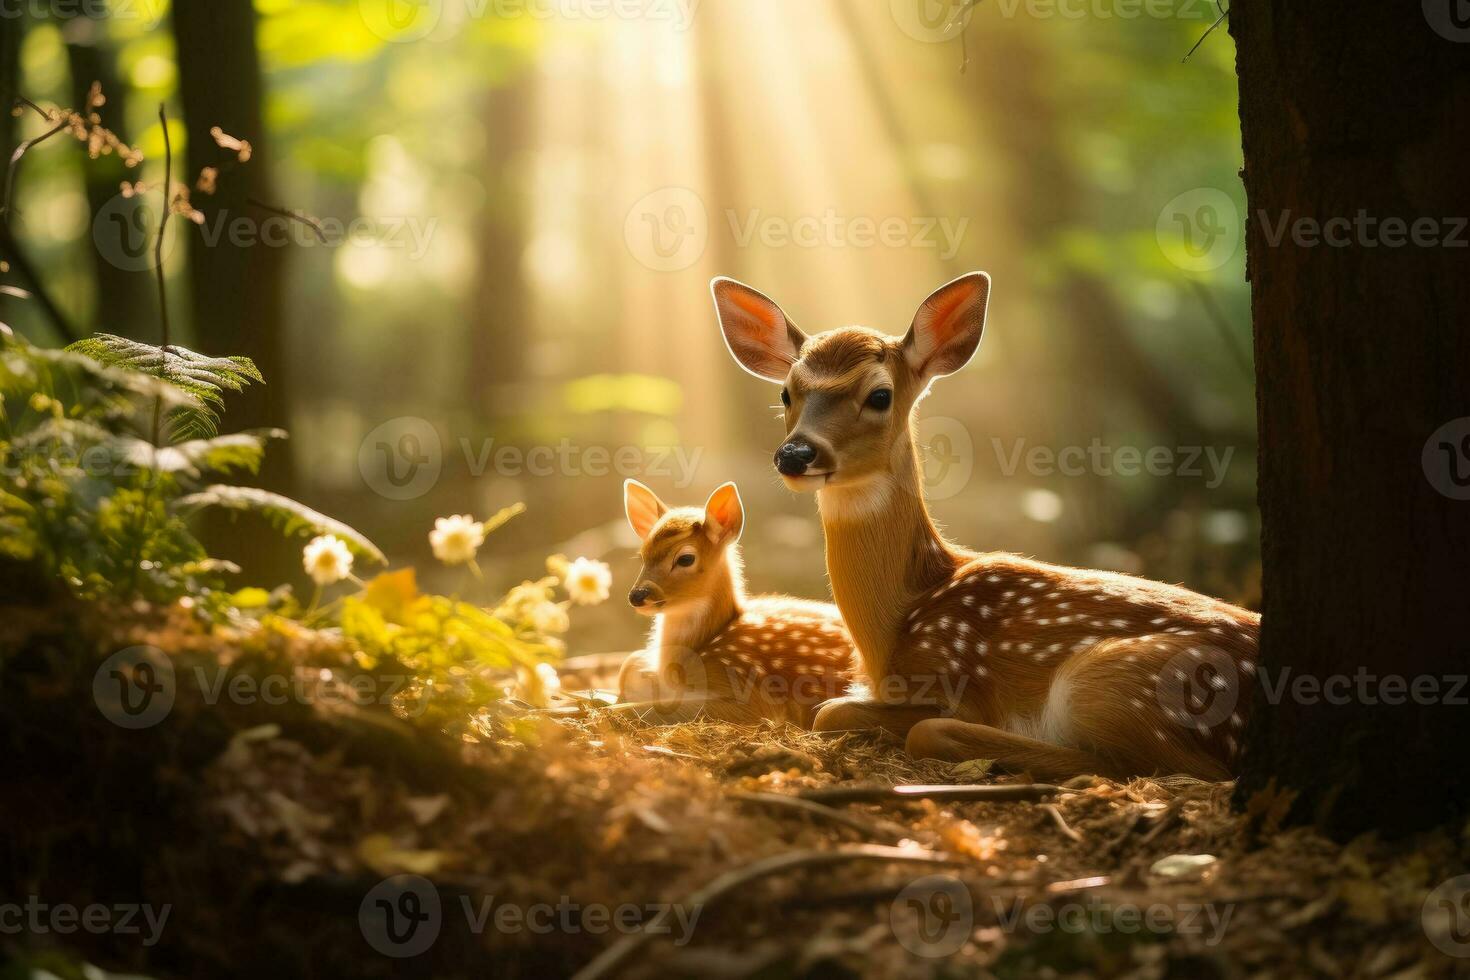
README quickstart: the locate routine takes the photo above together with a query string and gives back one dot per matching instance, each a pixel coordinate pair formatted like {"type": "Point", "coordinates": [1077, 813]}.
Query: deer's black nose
{"type": "Point", "coordinates": [794, 457]}
{"type": "Point", "coordinates": [638, 596]}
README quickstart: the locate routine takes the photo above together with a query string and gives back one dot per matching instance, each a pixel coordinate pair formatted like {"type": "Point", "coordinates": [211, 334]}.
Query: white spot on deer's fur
{"type": "Point", "coordinates": [1159, 734]}
{"type": "Point", "coordinates": [982, 648]}
{"type": "Point", "coordinates": [981, 671]}
{"type": "Point", "coordinates": [1247, 666]}
{"type": "Point", "coordinates": [1024, 647]}
{"type": "Point", "coordinates": [1195, 652]}
{"type": "Point", "coordinates": [1218, 683]}
{"type": "Point", "coordinates": [1025, 600]}
{"type": "Point", "coordinates": [1135, 702]}
{"type": "Point", "coordinates": [1232, 744]}
{"type": "Point", "coordinates": [765, 648]}
{"type": "Point", "coordinates": [1038, 585]}
{"type": "Point", "coordinates": [1064, 605]}
{"type": "Point", "coordinates": [968, 600]}
{"type": "Point", "coordinates": [1005, 644]}
{"type": "Point", "coordinates": [1043, 622]}
{"type": "Point", "coordinates": [984, 612]}
{"type": "Point", "coordinates": [1236, 720]}
{"type": "Point", "coordinates": [1160, 621]}
{"type": "Point", "coordinates": [958, 644]}
{"type": "Point", "coordinates": [992, 578]}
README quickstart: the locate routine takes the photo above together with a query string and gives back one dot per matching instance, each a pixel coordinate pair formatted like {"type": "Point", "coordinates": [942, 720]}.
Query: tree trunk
{"type": "Point", "coordinates": [235, 271]}
{"type": "Point", "coordinates": [1361, 350]}
{"type": "Point", "coordinates": [234, 282]}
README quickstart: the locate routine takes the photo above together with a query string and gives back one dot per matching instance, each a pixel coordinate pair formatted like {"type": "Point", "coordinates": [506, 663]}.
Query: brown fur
{"type": "Point", "coordinates": [713, 650]}
{"type": "Point", "coordinates": [1043, 668]}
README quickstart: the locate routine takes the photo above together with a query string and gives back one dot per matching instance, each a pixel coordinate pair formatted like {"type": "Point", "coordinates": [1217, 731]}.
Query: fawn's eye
{"type": "Point", "coordinates": [785, 398]}
{"type": "Point", "coordinates": [684, 561]}
{"type": "Point", "coordinates": [880, 399]}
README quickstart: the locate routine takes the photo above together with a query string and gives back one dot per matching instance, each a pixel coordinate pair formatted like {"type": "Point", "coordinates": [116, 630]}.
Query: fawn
{"type": "Point", "coordinates": [1057, 671]}
{"type": "Point", "coordinates": [713, 649]}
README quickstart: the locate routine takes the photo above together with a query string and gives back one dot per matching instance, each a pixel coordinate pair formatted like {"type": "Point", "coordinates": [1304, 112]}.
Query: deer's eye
{"type": "Point", "coordinates": [880, 399]}
{"type": "Point", "coordinates": [785, 398]}
{"type": "Point", "coordinates": [684, 561]}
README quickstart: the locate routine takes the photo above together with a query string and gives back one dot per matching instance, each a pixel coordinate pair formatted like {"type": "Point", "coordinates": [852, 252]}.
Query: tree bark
{"type": "Point", "coordinates": [1361, 349]}
{"type": "Point", "coordinates": [235, 282]}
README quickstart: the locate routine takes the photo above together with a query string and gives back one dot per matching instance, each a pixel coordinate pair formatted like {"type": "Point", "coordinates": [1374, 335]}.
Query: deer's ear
{"type": "Point", "coordinates": [642, 507]}
{"type": "Point", "coordinates": [724, 515]}
{"type": "Point", "coordinates": [947, 328]}
{"type": "Point", "coordinates": [760, 337]}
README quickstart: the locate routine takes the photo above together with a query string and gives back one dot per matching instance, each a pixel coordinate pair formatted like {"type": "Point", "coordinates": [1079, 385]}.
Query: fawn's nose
{"type": "Point", "coordinates": [638, 596]}
{"type": "Point", "coordinates": [794, 457]}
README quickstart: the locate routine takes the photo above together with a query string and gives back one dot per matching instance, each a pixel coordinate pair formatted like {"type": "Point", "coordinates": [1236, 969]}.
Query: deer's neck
{"type": "Point", "coordinates": [883, 551]}
{"type": "Point", "coordinates": [694, 624]}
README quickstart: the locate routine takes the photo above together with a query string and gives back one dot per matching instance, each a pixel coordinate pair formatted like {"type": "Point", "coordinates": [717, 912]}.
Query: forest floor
{"type": "Point", "coordinates": [312, 838]}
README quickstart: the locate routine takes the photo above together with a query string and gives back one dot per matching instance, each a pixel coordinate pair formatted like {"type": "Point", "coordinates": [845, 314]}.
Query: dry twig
{"type": "Point", "coordinates": [882, 794]}
{"type": "Point", "coordinates": [619, 952]}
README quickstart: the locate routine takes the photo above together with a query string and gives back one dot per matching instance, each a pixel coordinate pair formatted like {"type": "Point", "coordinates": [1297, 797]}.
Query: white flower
{"type": "Point", "coordinates": [326, 559]}
{"type": "Point", "coordinates": [587, 581]}
{"type": "Point", "coordinates": [537, 686]}
{"type": "Point", "coordinates": [457, 539]}
{"type": "Point", "coordinates": [550, 618]}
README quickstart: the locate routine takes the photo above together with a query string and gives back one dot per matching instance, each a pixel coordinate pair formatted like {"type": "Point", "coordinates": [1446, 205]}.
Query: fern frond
{"type": "Point", "coordinates": [221, 454]}
{"type": "Point", "coordinates": [291, 517]}
{"type": "Point", "coordinates": [199, 375]}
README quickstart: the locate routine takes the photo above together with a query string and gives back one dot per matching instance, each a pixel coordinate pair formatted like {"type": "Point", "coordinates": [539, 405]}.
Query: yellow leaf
{"type": "Point", "coordinates": [379, 852]}
{"type": "Point", "coordinates": [392, 594]}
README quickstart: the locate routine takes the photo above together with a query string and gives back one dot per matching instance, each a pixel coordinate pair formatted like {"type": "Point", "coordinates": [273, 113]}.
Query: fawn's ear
{"type": "Point", "coordinates": [724, 515]}
{"type": "Point", "coordinates": [947, 328]}
{"type": "Point", "coordinates": [760, 337]}
{"type": "Point", "coordinates": [642, 507]}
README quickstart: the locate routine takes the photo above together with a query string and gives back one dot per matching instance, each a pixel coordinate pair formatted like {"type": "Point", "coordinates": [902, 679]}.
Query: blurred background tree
{"type": "Point", "coordinates": [538, 194]}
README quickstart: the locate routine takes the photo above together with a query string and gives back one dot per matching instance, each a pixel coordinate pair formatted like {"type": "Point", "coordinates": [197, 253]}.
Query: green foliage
{"type": "Point", "coordinates": [461, 654]}
{"type": "Point", "coordinates": [205, 378]}
{"type": "Point", "coordinates": [288, 516]}
{"type": "Point", "coordinates": [87, 496]}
